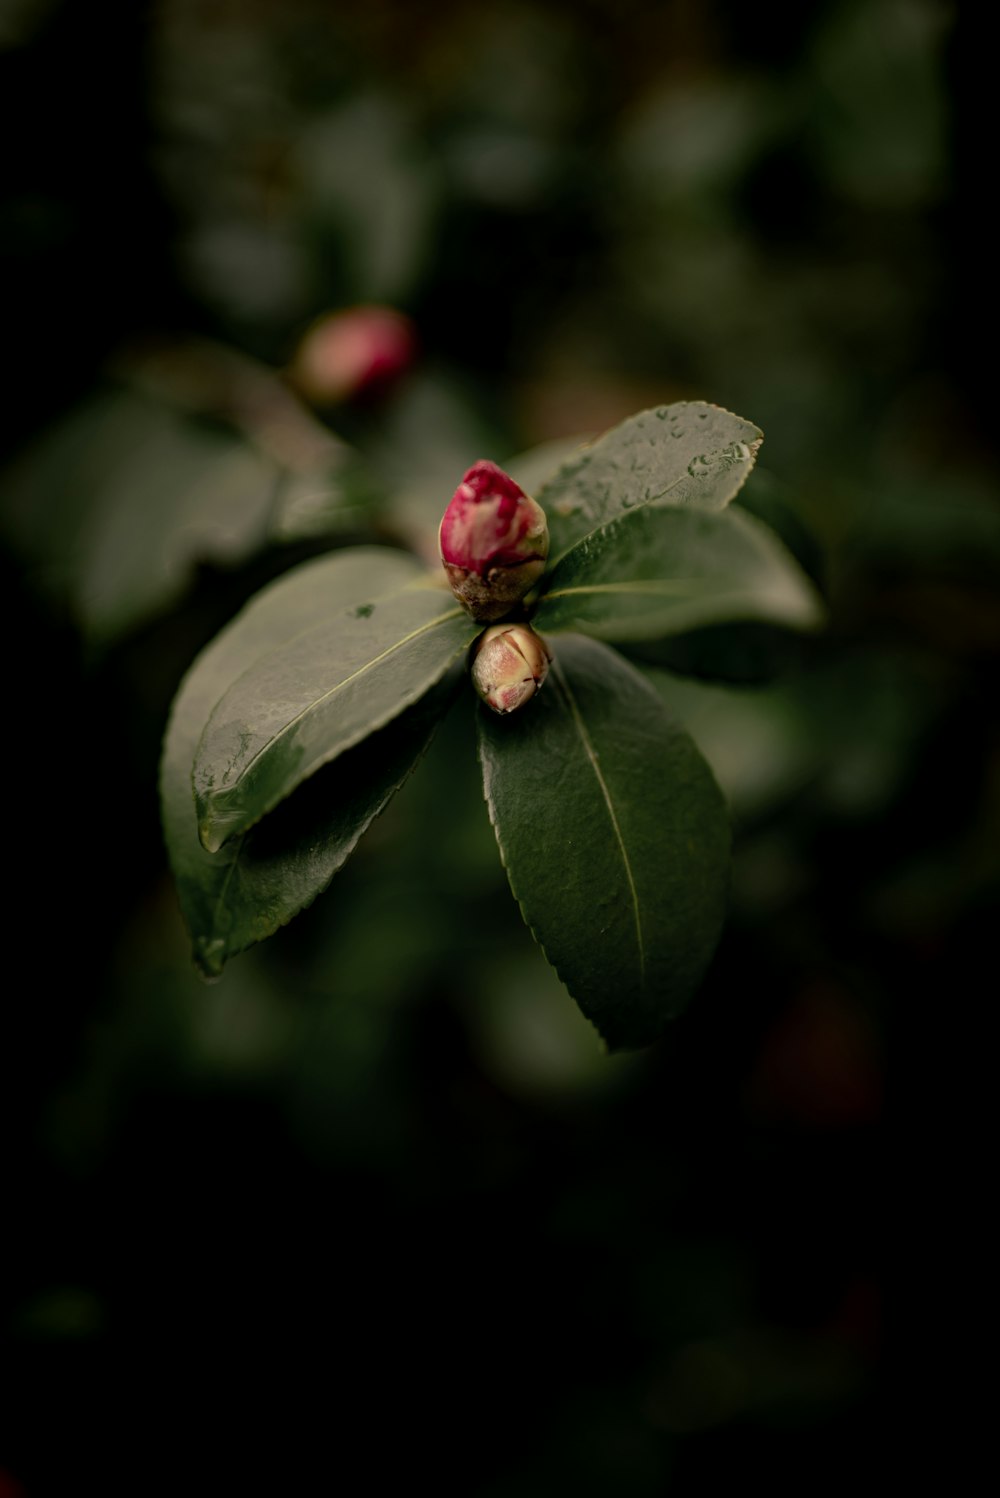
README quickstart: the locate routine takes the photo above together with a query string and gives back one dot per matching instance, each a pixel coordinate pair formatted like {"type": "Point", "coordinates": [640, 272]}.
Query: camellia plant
{"type": "Point", "coordinates": [294, 728]}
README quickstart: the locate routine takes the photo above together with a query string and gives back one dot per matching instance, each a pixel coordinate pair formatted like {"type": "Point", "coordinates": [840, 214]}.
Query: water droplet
{"type": "Point", "coordinates": [719, 461]}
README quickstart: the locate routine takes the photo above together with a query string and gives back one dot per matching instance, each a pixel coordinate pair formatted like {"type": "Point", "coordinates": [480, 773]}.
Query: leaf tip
{"type": "Point", "coordinates": [210, 836]}
{"type": "Point", "coordinates": [208, 967]}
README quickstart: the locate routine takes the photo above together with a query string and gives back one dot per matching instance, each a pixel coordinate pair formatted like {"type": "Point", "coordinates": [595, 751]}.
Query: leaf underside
{"type": "Point", "coordinates": [615, 838]}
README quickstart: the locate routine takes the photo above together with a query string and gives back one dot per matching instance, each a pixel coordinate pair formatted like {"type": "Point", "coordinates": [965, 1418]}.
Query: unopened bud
{"type": "Point", "coordinates": [356, 352]}
{"type": "Point", "coordinates": [494, 542]}
{"type": "Point", "coordinates": [510, 664]}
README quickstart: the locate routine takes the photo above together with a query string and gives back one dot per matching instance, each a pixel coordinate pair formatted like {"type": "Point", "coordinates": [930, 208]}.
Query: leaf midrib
{"type": "Point", "coordinates": [656, 586]}
{"type": "Point", "coordinates": [610, 520]}
{"type": "Point", "coordinates": [224, 890]}
{"type": "Point", "coordinates": [592, 758]}
{"type": "Point", "coordinates": [331, 692]}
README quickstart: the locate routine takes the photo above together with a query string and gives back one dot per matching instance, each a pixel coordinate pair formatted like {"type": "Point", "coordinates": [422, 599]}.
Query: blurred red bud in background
{"type": "Point", "coordinates": [359, 351]}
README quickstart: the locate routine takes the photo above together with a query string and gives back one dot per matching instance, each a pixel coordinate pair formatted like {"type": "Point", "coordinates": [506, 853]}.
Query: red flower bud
{"type": "Point", "coordinates": [494, 541]}
{"type": "Point", "coordinates": [509, 666]}
{"type": "Point", "coordinates": [356, 352]}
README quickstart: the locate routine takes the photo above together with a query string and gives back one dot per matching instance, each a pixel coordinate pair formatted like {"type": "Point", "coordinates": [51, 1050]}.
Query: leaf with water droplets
{"type": "Point", "coordinates": [655, 572]}
{"type": "Point", "coordinates": [317, 688]}
{"type": "Point", "coordinates": [262, 878]}
{"type": "Point", "coordinates": [615, 839]}
{"type": "Point", "coordinates": [688, 453]}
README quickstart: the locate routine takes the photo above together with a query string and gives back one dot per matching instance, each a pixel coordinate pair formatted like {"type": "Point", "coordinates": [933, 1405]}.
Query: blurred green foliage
{"type": "Point", "coordinates": [376, 1201]}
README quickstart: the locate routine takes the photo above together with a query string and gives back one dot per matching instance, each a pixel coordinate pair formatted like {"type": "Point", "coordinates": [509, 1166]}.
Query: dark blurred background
{"type": "Point", "coordinates": [375, 1208]}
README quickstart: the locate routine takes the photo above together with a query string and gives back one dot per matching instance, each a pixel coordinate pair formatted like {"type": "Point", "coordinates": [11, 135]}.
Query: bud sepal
{"type": "Point", "coordinates": [509, 666]}
{"type": "Point", "coordinates": [494, 542]}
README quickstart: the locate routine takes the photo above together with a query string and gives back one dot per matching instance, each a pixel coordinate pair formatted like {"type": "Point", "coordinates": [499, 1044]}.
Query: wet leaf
{"type": "Point", "coordinates": [315, 689]}
{"type": "Point", "coordinates": [261, 879]}
{"type": "Point", "coordinates": [614, 836]}
{"type": "Point", "coordinates": [658, 571]}
{"type": "Point", "coordinates": [689, 453]}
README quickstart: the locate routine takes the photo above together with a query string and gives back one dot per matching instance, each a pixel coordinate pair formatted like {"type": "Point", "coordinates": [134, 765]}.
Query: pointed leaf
{"type": "Point", "coordinates": [317, 689]}
{"type": "Point", "coordinates": [690, 453]}
{"type": "Point", "coordinates": [614, 836]}
{"type": "Point", "coordinates": [260, 880]}
{"type": "Point", "coordinates": [655, 572]}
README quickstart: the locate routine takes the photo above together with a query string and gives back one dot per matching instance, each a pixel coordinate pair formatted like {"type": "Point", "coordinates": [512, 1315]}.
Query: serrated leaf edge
{"type": "Point", "coordinates": [753, 445]}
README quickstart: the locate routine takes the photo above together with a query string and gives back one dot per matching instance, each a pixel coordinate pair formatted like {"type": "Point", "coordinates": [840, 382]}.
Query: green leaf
{"type": "Point", "coordinates": [264, 877]}
{"type": "Point", "coordinates": [656, 572]}
{"type": "Point", "coordinates": [114, 508]}
{"type": "Point", "coordinates": [188, 495]}
{"type": "Point", "coordinates": [690, 453]}
{"type": "Point", "coordinates": [315, 689]}
{"type": "Point", "coordinates": [742, 654]}
{"type": "Point", "coordinates": [614, 836]}
{"type": "Point", "coordinates": [261, 879]}
{"type": "Point", "coordinates": [336, 499]}
{"type": "Point", "coordinates": [534, 468]}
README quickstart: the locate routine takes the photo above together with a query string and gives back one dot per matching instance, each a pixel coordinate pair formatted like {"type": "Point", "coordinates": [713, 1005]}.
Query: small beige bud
{"type": "Point", "coordinates": [509, 666]}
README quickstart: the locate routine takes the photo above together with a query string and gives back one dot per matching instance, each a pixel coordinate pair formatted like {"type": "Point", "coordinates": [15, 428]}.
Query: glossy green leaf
{"type": "Point", "coordinates": [690, 453]}
{"type": "Point", "coordinates": [261, 879]}
{"type": "Point", "coordinates": [614, 836]}
{"type": "Point", "coordinates": [317, 689]}
{"type": "Point", "coordinates": [655, 572]}
{"type": "Point", "coordinates": [264, 877]}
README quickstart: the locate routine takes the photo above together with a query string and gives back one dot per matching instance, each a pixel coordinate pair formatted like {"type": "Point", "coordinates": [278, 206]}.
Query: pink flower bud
{"type": "Point", "coordinates": [356, 352]}
{"type": "Point", "coordinates": [509, 666]}
{"type": "Point", "coordinates": [494, 542]}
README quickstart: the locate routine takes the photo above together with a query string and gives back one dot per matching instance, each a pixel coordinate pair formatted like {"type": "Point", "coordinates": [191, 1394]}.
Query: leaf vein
{"type": "Point", "coordinates": [338, 686]}
{"type": "Point", "coordinates": [591, 754]}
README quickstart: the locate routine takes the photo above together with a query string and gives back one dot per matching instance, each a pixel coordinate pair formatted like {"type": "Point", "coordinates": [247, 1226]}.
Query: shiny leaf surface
{"type": "Point", "coordinates": [614, 836]}
{"type": "Point", "coordinates": [655, 572]}
{"type": "Point", "coordinates": [261, 879]}
{"type": "Point", "coordinates": [317, 688]}
{"type": "Point", "coordinates": [689, 453]}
